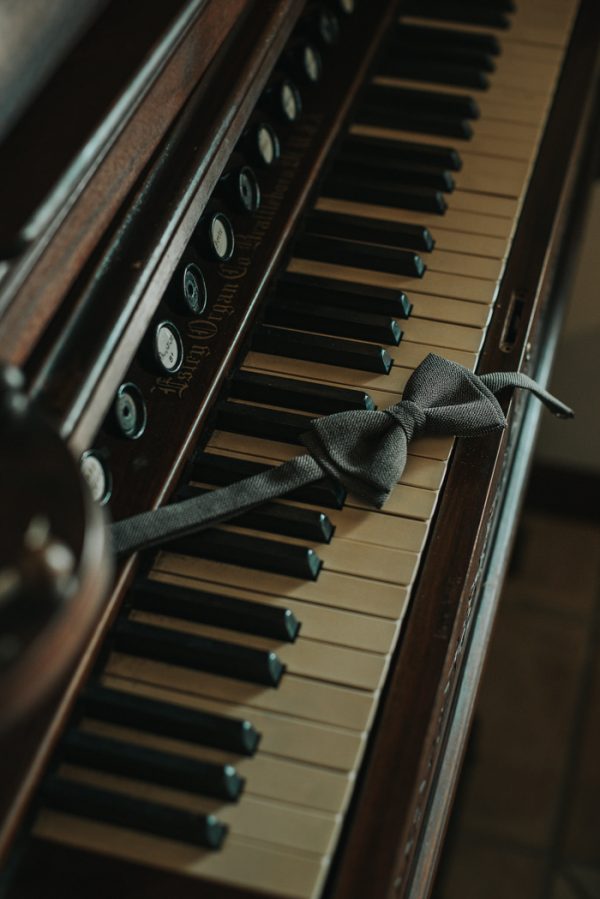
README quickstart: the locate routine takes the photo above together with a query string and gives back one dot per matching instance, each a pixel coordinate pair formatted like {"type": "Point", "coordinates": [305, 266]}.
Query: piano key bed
{"type": "Point", "coordinates": [223, 733]}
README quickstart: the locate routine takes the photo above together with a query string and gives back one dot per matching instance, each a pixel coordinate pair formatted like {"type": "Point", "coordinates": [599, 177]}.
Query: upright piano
{"type": "Point", "coordinates": [222, 218]}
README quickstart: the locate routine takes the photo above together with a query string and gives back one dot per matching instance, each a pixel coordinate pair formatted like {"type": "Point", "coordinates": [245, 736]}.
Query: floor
{"type": "Point", "coordinates": [527, 817]}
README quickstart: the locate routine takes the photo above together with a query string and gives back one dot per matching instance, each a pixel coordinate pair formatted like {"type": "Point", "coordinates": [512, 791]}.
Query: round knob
{"type": "Point", "coordinates": [263, 145]}
{"type": "Point", "coordinates": [242, 188]}
{"type": "Point", "coordinates": [166, 347]}
{"type": "Point", "coordinates": [304, 61]}
{"type": "Point", "coordinates": [97, 476]}
{"type": "Point", "coordinates": [214, 236]}
{"type": "Point", "coordinates": [129, 411]}
{"type": "Point", "coordinates": [187, 290]}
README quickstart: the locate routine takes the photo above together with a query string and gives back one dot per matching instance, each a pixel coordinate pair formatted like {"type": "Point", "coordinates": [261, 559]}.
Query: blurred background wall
{"type": "Point", "coordinates": [576, 374]}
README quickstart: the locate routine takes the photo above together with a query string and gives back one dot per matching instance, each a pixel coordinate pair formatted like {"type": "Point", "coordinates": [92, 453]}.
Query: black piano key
{"type": "Point", "coordinates": [169, 719]}
{"type": "Point", "coordinates": [317, 348]}
{"type": "Point", "coordinates": [155, 766]}
{"type": "Point", "coordinates": [413, 68]}
{"type": "Point", "coordinates": [129, 811]}
{"type": "Point", "coordinates": [249, 551]}
{"type": "Point", "coordinates": [258, 421]}
{"type": "Point", "coordinates": [359, 254]}
{"type": "Point", "coordinates": [212, 468]}
{"type": "Point", "coordinates": [383, 192]}
{"type": "Point", "coordinates": [420, 101]}
{"type": "Point", "coordinates": [296, 394]}
{"type": "Point", "coordinates": [277, 518]}
{"type": "Point", "coordinates": [200, 653]}
{"type": "Point", "coordinates": [379, 231]}
{"type": "Point", "coordinates": [435, 37]}
{"type": "Point", "coordinates": [410, 44]}
{"type": "Point", "coordinates": [503, 5]}
{"type": "Point", "coordinates": [472, 13]}
{"type": "Point", "coordinates": [345, 294]}
{"type": "Point", "coordinates": [272, 424]}
{"type": "Point", "coordinates": [215, 609]}
{"type": "Point", "coordinates": [420, 123]}
{"type": "Point", "coordinates": [411, 174]}
{"type": "Point", "coordinates": [261, 553]}
{"type": "Point", "coordinates": [364, 147]}
{"type": "Point", "coordinates": [333, 320]}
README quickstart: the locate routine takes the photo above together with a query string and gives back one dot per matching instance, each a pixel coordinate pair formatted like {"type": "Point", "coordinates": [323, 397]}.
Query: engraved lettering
{"type": "Point", "coordinates": [202, 329]}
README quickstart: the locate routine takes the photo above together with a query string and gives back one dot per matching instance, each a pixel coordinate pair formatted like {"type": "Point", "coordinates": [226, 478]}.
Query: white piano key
{"type": "Point", "coordinates": [267, 775]}
{"type": "Point", "coordinates": [319, 622]}
{"type": "Point", "coordinates": [521, 146]}
{"type": "Point", "coordinates": [304, 658]}
{"type": "Point", "coordinates": [445, 310]}
{"type": "Point", "coordinates": [246, 863]}
{"type": "Point", "coordinates": [344, 710]}
{"type": "Point", "coordinates": [273, 822]}
{"type": "Point", "coordinates": [478, 290]}
{"type": "Point", "coordinates": [332, 589]}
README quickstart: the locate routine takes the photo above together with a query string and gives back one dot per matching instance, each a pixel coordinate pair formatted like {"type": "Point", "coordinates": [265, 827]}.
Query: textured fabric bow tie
{"type": "Point", "coordinates": [365, 450]}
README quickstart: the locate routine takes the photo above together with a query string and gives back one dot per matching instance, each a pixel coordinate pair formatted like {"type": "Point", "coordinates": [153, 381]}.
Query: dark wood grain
{"type": "Point", "coordinates": [39, 36]}
{"type": "Point", "coordinates": [75, 369]}
{"type": "Point", "coordinates": [92, 186]}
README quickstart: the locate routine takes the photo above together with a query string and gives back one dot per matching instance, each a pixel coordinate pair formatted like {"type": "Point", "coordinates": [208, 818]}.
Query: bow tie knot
{"type": "Point", "coordinates": [409, 416]}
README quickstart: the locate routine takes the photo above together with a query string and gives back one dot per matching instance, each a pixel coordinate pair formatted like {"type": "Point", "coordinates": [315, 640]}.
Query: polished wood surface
{"type": "Point", "coordinates": [106, 310]}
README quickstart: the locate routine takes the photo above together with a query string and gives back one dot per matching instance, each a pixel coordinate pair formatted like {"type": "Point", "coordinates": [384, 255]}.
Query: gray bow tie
{"type": "Point", "coordinates": [365, 450]}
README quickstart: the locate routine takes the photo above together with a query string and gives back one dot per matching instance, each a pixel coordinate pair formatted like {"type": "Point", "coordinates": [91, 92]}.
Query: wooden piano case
{"type": "Point", "coordinates": [90, 247]}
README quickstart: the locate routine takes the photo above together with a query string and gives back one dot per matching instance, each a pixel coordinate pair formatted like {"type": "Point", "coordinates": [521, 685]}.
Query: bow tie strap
{"type": "Point", "coordinates": [365, 450]}
{"type": "Point", "coordinates": [188, 516]}
{"type": "Point", "coordinates": [502, 380]}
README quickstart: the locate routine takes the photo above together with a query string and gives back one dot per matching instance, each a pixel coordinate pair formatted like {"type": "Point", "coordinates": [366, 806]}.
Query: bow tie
{"type": "Point", "coordinates": [365, 450]}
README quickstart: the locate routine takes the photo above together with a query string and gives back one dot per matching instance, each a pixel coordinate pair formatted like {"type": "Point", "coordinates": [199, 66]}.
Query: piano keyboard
{"type": "Point", "coordinates": [117, 790]}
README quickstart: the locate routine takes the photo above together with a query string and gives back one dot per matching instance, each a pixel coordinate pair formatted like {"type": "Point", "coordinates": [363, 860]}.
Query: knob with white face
{"type": "Point", "coordinates": [221, 240]}
{"type": "Point", "coordinates": [167, 347]}
{"type": "Point", "coordinates": [311, 63]}
{"type": "Point", "coordinates": [264, 145]}
{"type": "Point", "coordinates": [288, 101]}
{"type": "Point", "coordinates": [97, 476]}
{"type": "Point", "coordinates": [326, 27]}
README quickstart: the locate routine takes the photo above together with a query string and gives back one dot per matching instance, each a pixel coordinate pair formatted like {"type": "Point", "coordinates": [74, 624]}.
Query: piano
{"type": "Point", "coordinates": [220, 219]}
